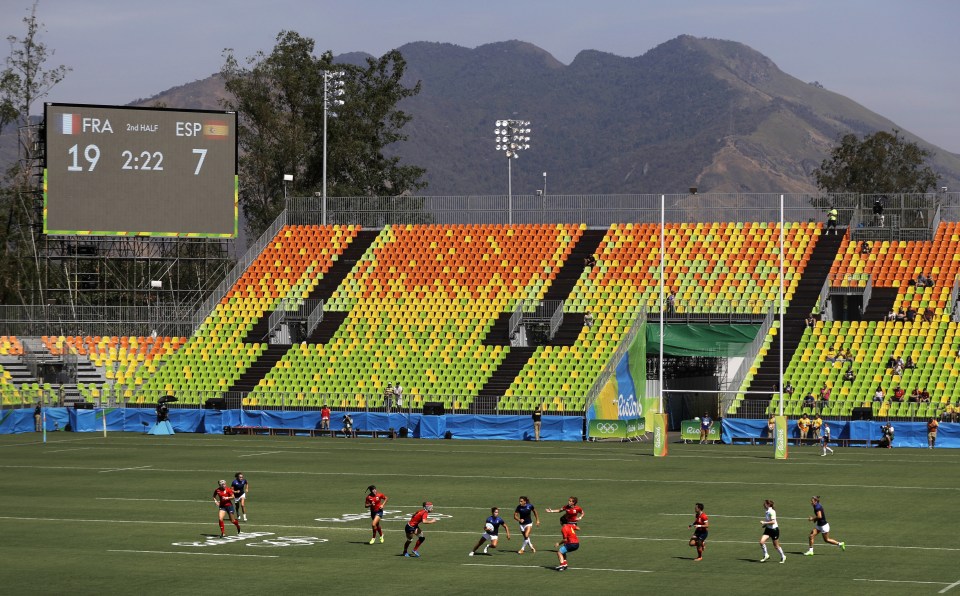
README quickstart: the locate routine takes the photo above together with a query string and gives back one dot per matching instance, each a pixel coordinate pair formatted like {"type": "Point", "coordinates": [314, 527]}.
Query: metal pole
{"type": "Point", "coordinates": [663, 258]}
{"type": "Point", "coordinates": [323, 208]}
{"type": "Point", "coordinates": [509, 191]}
{"type": "Point", "coordinates": [780, 372]}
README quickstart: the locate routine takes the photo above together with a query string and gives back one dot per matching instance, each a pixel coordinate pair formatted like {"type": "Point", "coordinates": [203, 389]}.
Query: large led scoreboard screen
{"type": "Point", "coordinates": [119, 171]}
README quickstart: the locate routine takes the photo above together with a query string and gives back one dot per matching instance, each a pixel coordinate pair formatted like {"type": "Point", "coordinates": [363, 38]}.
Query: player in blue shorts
{"type": "Point", "coordinates": [240, 488]}
{"type": "Point", "coordinates": [700, 525]}
{"type": "Point", "coordinates": [525, 514]}
{"type": "Point", "coordinates": [819, 518]}
{"type": "Point", "coordinates": [375, 502]}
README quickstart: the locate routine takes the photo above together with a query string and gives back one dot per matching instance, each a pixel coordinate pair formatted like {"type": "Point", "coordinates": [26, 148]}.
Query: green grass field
{"type": "Point", "coordinates": [132, 514]}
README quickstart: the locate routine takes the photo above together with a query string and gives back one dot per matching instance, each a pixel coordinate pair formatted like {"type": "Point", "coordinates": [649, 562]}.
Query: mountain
{"type": "Point", "coordinates": [700, 112]}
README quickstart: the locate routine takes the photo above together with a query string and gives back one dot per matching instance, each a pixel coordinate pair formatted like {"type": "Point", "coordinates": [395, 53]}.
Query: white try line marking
{"type": "Point", "coordinates": [124, 469]}
{"type": "Point", "coordinates": [564, 479]}
{"type": "Point", "coordinates": [161, 500]}
{"type": "Point", "coordinates": [174, 552]}
{"type": "Point", "coordinates": [775, 463]}
{"type": "Point", "coordinates": [743, 516]}
{"type": "Point", "coordinates": [551, 567]}
{"type": "Point", "coordinates": [261, 453]}
{"type": "Point", "coordinates": [435, 530]}
{"type": "Point", "coordinates": [70, 449]}
{"type": "Point", "coordinates": [907, 581]}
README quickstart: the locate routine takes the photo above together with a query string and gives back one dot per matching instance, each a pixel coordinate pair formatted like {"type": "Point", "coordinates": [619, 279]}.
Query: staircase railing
{"type": "Point", "coordinates": [753, 349]}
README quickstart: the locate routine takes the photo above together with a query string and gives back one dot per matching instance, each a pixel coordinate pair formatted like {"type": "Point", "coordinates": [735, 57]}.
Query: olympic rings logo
{"type": "Point", "coordinates": [607, 427]}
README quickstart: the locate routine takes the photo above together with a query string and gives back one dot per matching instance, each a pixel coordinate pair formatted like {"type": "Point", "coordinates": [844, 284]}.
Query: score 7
{"type": "Point", "coordinates": [203, 155]}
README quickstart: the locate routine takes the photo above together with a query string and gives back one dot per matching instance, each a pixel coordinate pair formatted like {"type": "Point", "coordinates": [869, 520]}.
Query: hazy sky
{"type": "Point", "coordinates": [896, 58]}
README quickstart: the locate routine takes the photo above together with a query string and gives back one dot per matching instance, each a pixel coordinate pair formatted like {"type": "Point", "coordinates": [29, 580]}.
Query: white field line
{"type": "Point", "coordinates": [173, 552]}
{"type": "Point", "coordinates": [124, 469]}
{"type": "Point", "coordinates": [434, 530]}
{"type": "Point", "coordinates": [907, 581]}
{"type": "Point", "coordinates": [70, 449]}
{"type": "Point", "coordinates": [550, 566]}
{"type": "Point", "coordinates": [262, 453]}
{"type": "Point", "coordinates": [564, 479]}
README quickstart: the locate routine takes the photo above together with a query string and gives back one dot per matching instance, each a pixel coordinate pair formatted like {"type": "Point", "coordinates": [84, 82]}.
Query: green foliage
{"type": "Point", "coordinates": [279, 98]}
{"type": "Point", "coordinates": [883, 162]}
{"type": "Point", "coordinates": [24, 81]}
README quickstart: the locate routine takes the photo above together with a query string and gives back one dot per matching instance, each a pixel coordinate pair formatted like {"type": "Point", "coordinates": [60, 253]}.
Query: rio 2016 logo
{"type": "Point", "coordinates": [658, 438]}
{"type": "Point", "coordinates": [628, 407]}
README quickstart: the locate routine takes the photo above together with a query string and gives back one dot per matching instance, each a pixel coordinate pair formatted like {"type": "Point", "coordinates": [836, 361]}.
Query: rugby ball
{"type": "Point", "coordinates": [697, 418]}
{"type": "Point", "coordinates": [488, 527]}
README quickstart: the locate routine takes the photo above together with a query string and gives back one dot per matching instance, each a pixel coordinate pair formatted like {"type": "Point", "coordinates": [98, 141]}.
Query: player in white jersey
{"type": "Point", "coordinates": [770, 531]}
{"type": "Point", "coordinates": [825, 440]}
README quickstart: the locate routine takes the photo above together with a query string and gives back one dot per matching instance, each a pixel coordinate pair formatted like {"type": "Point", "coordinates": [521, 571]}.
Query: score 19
{"type": "Point", "coordinates": [145, 160]}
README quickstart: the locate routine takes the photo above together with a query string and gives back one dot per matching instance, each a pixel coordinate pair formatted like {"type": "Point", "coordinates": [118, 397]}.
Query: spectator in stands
{"type": "Point", "coordinates": [824, 397]}
{"type": "Point", "coordinates": [788, 389]}
{"type": "Point", "coordinates": [671, 302]}
{"type": "Point", "coordinates": [892, 361]}
{"type": "Point", "coordinates": [803, 425]}
{"type": "Point", "coordinates": [849, 376]}
{"type": "Point", "coordinates": [930, 282]}
{"type": "Point", "coordinates": [878, 395]}
{"type": "Point", "coordinates": [348, 430]}
{"type": "Point", "coordinates": [864, 247]}
{"type": "Point", "coordinates": [921, 281]}
{"type": "Point", "coordinates": [898, 394]}
{"type": "Point", "coordinates": [914, 396]}
{"type": "Point", "coordinates": [924, 396]}
{"type": "Point", "coordinates": [832, 217]}
{"type": "Point", "coordinates": [811, 321]}
{"type": "Point", "coordinates": [388, 398]}
{"type": "Point", "coordinates": [927, 315]}
{"type": "Point", "coordinates": [809, 401]}
{"type": "Point", "coordinates": [589, 261]}
{"type": "Point", "coordinates": [909, 364]}
{"type": "Point", "coordinates": [398, 393]}
{"type": "Point", "coordinates": [891, 316]}
{"type": "Point", "coordinates": [897, 369]}
{"type": "Point", "coordinates": [911, 315]}
{"type": "Point", "coordinates": [325, 417]}
{"type": "Point", "coordinates": [878, 211]}
{"type": "Point", "coordinates": [901, 316]}
{"type": "Point", "coordinates": [845, 356]}
{"type": "Point", "coordinates": [588, 320]}
{"type": "Point", "coordinates": [950, 412]}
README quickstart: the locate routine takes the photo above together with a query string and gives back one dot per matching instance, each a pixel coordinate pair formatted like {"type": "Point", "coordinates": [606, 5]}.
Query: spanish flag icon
{"type": "Point", "coordinates": [216, 129]}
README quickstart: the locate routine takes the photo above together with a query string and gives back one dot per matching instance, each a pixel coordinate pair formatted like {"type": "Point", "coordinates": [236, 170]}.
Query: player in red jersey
{"type": "Point", "coordinates": [699, 525]}
{"type": "Point", "coordinates": [572, 513]}
{"type": "Point", "coordinates": [413, 529]}
{"type": "Point", "coordinates": [223, 497]}
{"type": "Point", "coordinates": [569, 544]}
{"type": "Point", "coordinates": [375, 502]}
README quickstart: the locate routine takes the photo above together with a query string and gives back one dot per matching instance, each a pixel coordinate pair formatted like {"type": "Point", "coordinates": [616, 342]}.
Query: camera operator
{"type": "Point", "coordinates": [163, 412]}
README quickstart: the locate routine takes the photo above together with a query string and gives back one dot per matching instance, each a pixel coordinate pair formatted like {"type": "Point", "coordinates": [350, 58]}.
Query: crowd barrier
{"type": "Point", "coordinates": [906, 434]}
{"type": "Point", "coordinates": [460, 426]}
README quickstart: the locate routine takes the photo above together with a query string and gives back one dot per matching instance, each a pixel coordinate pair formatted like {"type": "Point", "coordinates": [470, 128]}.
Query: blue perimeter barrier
{"type": "Point", "coordinates": [906, 434]}
{"type": "Point", "coordinates": [461, 426]}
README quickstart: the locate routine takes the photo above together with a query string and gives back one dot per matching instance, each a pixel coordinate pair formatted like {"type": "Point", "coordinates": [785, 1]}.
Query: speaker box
{"type": "Point", "coordinates": [215, 403]}
{"type": "Point", "coordinates": [862, 414]}
{"type": "Point", "coordinates": [433, 408]}
{"type": "Point", "coordinates": [82, 405]}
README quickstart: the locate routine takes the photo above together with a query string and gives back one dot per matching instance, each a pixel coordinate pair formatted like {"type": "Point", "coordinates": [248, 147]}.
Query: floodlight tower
{"type": "Point", "coordinates": [332, 92]}
{"type": "Point", "coordinates": [512, 137]}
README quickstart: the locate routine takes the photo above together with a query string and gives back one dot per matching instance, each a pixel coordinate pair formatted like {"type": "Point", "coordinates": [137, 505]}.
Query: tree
{"type": "Point", "coordinates": [279, 101]}
{"type": "Point", "coordinates": [883, 162]}
{"type": "Point", "coordinates": [23, 82]}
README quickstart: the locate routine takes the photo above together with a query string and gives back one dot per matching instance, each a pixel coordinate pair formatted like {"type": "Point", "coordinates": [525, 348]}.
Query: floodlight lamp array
{"type": "Point", "coordinates": [512, 136]}
{"type": "Point", "coordinates": [333, 90]}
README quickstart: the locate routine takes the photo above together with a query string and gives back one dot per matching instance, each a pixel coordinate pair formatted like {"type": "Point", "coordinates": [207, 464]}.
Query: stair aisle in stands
{"type": "Point", "coordinates": [802, 304]}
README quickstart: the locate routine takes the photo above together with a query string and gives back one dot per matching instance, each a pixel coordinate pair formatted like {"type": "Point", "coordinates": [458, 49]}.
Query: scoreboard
{"type": "Point", "coordinates": [121, 171]}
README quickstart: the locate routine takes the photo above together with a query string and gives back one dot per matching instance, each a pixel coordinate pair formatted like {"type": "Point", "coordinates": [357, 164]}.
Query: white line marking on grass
{"type": "Point", "coordinates": [777, 463]}
{"type": "Point", "coordinates": [950, 587]}
{"type": "Point", "coordinates": [715, 515]}
{"type": "Point", "coordinates": [170, 500]}
{"type": "Point", "coordinates": [175, 552]}
{"type": "Point", "coordinates": [551, 567]}
{"type": "Point", "coordinates": [124, 469]}
{"type": "Point", "coordinates": [70, 449]}
{"type": "Point", "coordinates": [261, 453]}
{"type": "Point", "coordinates": [907, 581]}
{"type": "Point", "coordinates": [564, 479]}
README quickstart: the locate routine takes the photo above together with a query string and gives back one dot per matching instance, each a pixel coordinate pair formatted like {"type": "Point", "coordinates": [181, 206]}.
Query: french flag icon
{"type": "Point", "coordinates": [70, 124]}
